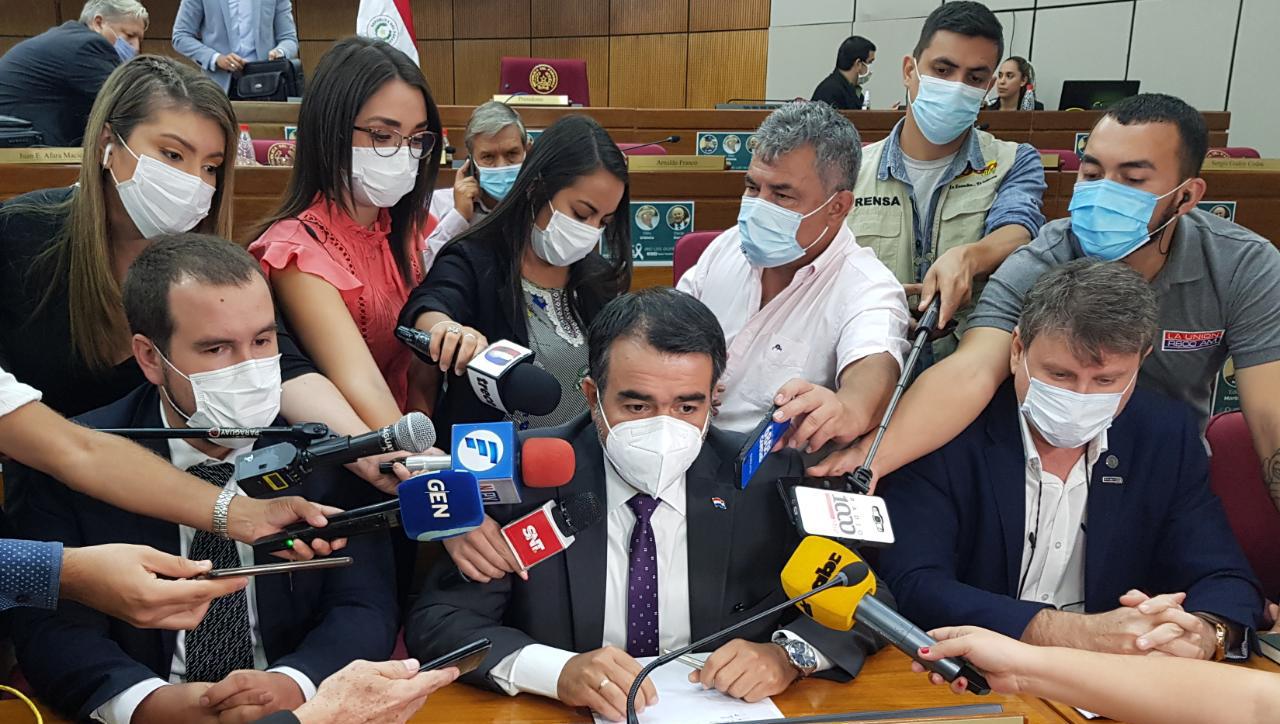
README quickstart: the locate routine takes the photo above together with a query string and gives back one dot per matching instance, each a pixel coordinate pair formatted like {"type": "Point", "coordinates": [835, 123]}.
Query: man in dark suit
{"type": "Point", "coordinates": [1076, 510]}
{"type": "Point", "coordinates": [205, 337]}
{"type": "Point", "coordinates": [681, 554]}
{"type": "Point", "coordinates": [53, 78]}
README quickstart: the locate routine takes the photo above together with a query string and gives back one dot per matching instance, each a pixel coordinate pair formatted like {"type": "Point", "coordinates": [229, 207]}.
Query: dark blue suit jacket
{"type": "Point", "coordinates": [959, 518]}
{"type": "Point", "coordinates": [314, 621]}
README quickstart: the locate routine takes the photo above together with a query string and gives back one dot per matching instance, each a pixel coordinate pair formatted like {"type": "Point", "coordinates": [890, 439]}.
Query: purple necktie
{"type": "Point", "coordinates": [642, 581]}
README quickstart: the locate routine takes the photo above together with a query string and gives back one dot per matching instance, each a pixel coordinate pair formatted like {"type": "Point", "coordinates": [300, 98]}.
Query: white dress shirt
{"type": "Point", "coordinates": [536, 668]}
{"type": "Point", "coordinates": [119, 709]}
{"type": "Point", "coordinates": [450, 223]}
{"type": "Point", "coordinates": [842, 307]}
{"type": "Point", "coordinates": [15, 394]}
{"type": "Point", "coordinates": [1054, 566]}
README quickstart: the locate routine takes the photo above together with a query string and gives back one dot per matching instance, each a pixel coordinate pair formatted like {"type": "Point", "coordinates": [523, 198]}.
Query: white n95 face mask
{"type": "Point", "coordinates": [565, 240]}
{"type": "Point", "coordinates": [382, 181]}
{"type": "Point", "coordinates": [1069, 419]}
{"type": "Point", "coordinates": [242, 395]}
{"type": "Point", "coordinates": [161, 199]}
{"type": "Point", "coordinates": [652, 454]}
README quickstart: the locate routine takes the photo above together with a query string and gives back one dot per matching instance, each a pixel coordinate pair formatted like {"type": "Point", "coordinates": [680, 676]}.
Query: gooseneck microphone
{"type": "Point", "coordinates": [669, 139]}
{"type": "Point", "coordinates": [860, 478]}
{"type": "Point", "coordinates": [850, 575]}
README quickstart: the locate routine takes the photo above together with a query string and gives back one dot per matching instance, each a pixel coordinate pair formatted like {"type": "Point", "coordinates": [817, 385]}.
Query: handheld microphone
{"type": "Point", "coordinates": [275, 469]}
{"type": "Point", "coordinates": [550, 529]}
{"type": "Point", "coordinates": [631, 147]}
{"type": "Point", "coordinates": [301, 433]}
{"type": "Point", "coordinates": [860, 478]}
{"type": "Point", "coordinates": [498, 374]}
{"type": "Point", "coordinates": [432, 506]}
{"type": "Point", "coordinates": [491, 452]}
{"type": "Point", "coordinates": [418, 464]}
{"type": "Point", "coordinates": [853, 574]}
{"type": "Point", "coordinates": [544, 463]}
{"type": "Point", "coordinates": [813, 564]}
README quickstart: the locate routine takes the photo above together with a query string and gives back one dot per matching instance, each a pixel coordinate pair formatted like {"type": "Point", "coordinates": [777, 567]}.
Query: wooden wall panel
{"type": "Point", "coordinates": [161, 46]}
{"type": "Point", "coordinates": [477, 67]}
{"type": "Point", "coordinates": [310, 51]}
{"type": "Point", "coordinates": [433, 19]}
{"type": "Point", "coordinates": [491, 19]}
{"type": "Point", "coordinates": [648, 71]}
{"type": "Point", "coordinates": [161, 14]}
{"type": "Point", "coordinates": [728, 15]}
{"type": "Point", "coordinates": [325, 20]}
{"type": "Point", "coordinates": [593, 50]}
{"type": "Point", "coordinates": [568, 18]}
{"type": "Point", "coordinates": [726, 65]}
{"type": "Point", "coordinates": [437, 64]}
{"type": "Point", "coordinates": [627, 17]}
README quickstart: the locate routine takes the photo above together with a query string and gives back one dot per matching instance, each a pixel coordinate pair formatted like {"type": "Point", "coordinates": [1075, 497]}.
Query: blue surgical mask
{"type": "Point", "coordinates": [944, 109]}
{"type": "Point", "coordinates": [767, 232]}
{"type": "Point", "coordinates": [124, 49]}
{"type": "Point", "coordinates": [1110, 219]}
{"type": "Point", "coordinates": [498, 180]}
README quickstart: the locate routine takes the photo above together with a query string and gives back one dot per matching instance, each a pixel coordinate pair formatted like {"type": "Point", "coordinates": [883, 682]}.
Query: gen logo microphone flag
{"type": "Point", "coordinates": [440, 505]}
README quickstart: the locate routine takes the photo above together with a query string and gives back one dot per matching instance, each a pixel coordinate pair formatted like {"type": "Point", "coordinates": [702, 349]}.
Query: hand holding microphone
{"type": "Point", "coordinates": [451, 345]}
{"type": "Point", "coordinates": [502, 374]}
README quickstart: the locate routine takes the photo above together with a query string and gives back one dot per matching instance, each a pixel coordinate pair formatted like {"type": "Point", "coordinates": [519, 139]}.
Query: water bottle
{"type": "Point", "coordinates": [244, 152]}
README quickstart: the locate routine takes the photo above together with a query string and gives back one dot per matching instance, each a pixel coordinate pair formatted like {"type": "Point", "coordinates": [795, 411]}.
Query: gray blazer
{"type": "Point", "coordinates": [202, 32]}
{"type": "Point", "coordinates": [736, 553]}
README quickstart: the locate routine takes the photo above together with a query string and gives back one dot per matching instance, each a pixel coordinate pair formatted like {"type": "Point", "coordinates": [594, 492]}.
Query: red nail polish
{"type": "Point", "coordinates": [924, 650]}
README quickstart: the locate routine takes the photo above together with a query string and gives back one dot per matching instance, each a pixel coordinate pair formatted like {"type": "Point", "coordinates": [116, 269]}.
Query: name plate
{"type": "Point", "coordinates": [1050, 160]}
{"type": "Point", "coordinates": [1242, 164]}
{"type": "Point", "coordinates": [676, 163]}
{"type": "Point", "coordinates": [513, 99]}
{"type": "Point", "coordinates": [41, 155]}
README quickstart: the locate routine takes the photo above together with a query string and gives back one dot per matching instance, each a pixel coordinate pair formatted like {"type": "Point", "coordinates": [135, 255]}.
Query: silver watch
{"type": "Point", "coordinates": [800, 654]}
{"type": "Point", "coordinates": [221, 508]}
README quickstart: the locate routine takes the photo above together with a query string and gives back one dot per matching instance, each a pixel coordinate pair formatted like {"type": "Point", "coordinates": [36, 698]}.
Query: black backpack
{"type": "Point", "coordinates": [268, 80]}
{"type": "Point", "coordinates": [18, 133]}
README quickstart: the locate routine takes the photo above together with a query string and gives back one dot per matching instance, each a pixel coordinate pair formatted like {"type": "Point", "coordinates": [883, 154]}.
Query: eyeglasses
{"type": "Point", "coordinates": [387, 141]}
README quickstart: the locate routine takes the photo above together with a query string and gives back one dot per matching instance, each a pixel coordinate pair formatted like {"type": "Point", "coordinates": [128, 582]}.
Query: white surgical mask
{"type": "Point", "coordinates": [160, 198]}
{"type": "Point", "coordinates": [653, 453]}
{"type": "Point", "coordinates": [242, 395]}
{"type": "Point", "coordinates": [382, 181]}
{"type": "Point", "coordinates": [565, 240]}
{"type": "Point", "coordinates": [864, 77]}
{"type": "Point", "coordinates": [1069, 419]}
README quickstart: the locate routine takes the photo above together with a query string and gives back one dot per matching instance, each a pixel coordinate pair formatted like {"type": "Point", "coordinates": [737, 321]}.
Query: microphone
{"type": "Point", "coordinates": [812, 565]}
{"type": "Point", "coordinates": [856, 573]}
{"type": "Point", "coordinates": [301, 433]}
{"type": "Point", "coordinates": [277, 468]}
{"type": "Point", "coordinates": [544, 463]}
{"type": "Point", "coordinates": [501, 374]}
{"type": "Point", "coordinates": [550, 529]}
{"type": "Point", "coordinates": [491, 452]}
{"type": "Point", "coordinates": [418, 464]}
{"type": "Point", "coordinates": [432, 506]}
{"type": "Point", "coordinates": [860, 478]}
{"type": "Point", "coordinates": [631, 147]}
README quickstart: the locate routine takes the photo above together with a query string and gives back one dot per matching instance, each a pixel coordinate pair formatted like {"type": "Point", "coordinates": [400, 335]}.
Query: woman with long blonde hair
{"type": "Point", "coordinates": [158, 153]}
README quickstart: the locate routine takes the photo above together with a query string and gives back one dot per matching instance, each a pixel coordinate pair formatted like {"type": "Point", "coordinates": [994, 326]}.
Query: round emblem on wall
{"type": "Point", "coordinates": [543, 78]}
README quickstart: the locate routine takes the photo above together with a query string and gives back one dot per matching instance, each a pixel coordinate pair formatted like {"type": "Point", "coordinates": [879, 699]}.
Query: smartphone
{"type": "Point", "coordinates": [824, 507]}
{"type": "Point", "coordinates": [281, 567]}
{"type": "Point", "coordinates": [466, 659]}
{"type": "Point", "coordinates": [759, 444]}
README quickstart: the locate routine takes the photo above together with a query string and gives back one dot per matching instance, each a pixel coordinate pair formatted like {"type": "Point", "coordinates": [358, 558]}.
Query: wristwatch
{"type": "Point", "coordinates": [800, 654]}
{"type": "Point", "coordinates": [1220, 638]}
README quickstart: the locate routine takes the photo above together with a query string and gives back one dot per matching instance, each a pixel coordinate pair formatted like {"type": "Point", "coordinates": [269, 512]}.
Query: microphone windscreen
{"type": "Point", "coordinates": [577, 512]}
{"type": "Point", "coordinates": [529, 389]}
{"type": "Point", "coordinates": [546, 462]}
{"type": "Point", "coordinates": [816, 561]}
{"type": "Point", "coordinates": [414, 433]}
{"type": "Point", "coordinates": [439, 505]}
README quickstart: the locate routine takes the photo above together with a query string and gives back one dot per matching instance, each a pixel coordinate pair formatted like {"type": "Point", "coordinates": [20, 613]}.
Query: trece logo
{"type": "Point", "coordinates": [501, 356]}
{"type": "Point", "coordinates": [480, 451]}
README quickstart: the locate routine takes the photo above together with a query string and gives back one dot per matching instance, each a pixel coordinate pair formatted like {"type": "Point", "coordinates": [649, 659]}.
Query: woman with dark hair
{"type": "Point", "coordinates": [531, 272]}
{"type": "Point", "coordinates": [1015, 87]}
{"type": "Point", "coordinates": [347, 243]}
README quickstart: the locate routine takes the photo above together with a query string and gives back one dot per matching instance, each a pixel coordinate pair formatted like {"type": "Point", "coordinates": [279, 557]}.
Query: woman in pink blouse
{"type": "Point", "coordinates": [347, 244]}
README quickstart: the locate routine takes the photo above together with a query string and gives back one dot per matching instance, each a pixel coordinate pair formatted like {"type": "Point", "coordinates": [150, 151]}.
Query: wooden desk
{"type": "Point", "coordinates": [885, 683]}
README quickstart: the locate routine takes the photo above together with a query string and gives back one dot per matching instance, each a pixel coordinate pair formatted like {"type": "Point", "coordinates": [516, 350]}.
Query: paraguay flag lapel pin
{"type": "Point", "coordinates": [719, 504]}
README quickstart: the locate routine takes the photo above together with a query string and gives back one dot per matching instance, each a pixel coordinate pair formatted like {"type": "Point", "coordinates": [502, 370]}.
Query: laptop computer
{"type": "Point", "coordinates": [1094, 95]}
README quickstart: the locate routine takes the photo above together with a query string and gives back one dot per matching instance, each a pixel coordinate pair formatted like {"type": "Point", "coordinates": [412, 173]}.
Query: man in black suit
{"type": "Point", "coordinates": [205, 337]}
{"type": "Point", "coordinates": [682, 553]}
{"type": "Point", "coordinates": [53, 78]}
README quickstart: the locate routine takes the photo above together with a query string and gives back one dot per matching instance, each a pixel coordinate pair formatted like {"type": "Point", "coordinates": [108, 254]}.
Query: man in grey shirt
{"type": "Point", "coordinates": [1135, 200]}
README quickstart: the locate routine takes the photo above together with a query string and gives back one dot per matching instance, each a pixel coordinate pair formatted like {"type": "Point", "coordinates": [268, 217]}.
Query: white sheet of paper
{"type": "Point", "coordinates": [680, 702]}
{"type": "Point", "coordinates": [1088, 714]}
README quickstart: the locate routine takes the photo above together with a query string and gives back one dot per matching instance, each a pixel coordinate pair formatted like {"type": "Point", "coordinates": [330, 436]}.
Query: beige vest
{"type": "Point", "coordinates": [883, 215]}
